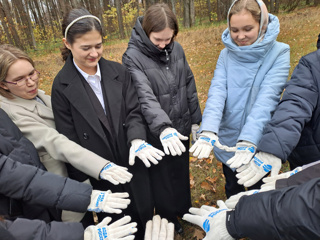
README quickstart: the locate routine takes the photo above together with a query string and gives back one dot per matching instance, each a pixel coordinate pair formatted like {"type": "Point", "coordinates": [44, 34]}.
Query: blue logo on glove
{"type": "Point", "coordinates": [109, 165]}
{"type": "Point", "coordinates": [206, 225]}
{"type": "Point", "coordinates": [102, 232]}
{"type": "Point", "coordinates": [257, 161]}
{"type": "Point", "coordinates": [208, 140]}
{"type": "Point", "coordinates": [142, 146]}
{"type": "Point", "coordinates": [267, 167]}
{"type": "Point", "coordinates": [100, 198]}
{"type": "Point", "coordinates": [293, 172]}
{"type": "Point", "coordinates": [169, 136]}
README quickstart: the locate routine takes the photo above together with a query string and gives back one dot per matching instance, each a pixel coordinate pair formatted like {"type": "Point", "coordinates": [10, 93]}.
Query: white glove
{"type": "Point", "coordinates": [115, 174]}
{"type": "Point", "coordinates": [119, 230]}
{"type": "Point", "coordinates": [145, 151]}
{"type": "Point", "coordinates": [270, 182]}
{"type": "Point", "coordinates": [204, 145]}
{"type": "Point", "coordinates": [259, 166]}
{"type": "Point", "coordinates": [170, 140]}
{"type": "Point", "coordinates": [232, 201]}
{"type": "Point", "coordinates": [159, 229]}
{"type": "Point", "coordinates": [211, 220]}
{"type": "Point", "coordinates": [108, 202]}
{"type": "Point", "coordinates": [244, 153]}
{"type": "Point", "coordinates": [195, 132]}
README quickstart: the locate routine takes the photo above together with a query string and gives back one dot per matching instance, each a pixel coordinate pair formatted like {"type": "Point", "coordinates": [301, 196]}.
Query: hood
{"type": "Point", "coordinates": [260, 47]}
{"type": "Point", "coordinates": [140, 40]}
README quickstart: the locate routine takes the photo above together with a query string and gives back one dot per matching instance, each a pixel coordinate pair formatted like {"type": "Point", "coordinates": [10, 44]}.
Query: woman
{"type": "Point", "coordinates": [240, 105]}
{"type": "Point", "coordinates": [30, 109]}
{"type": "Point", "coordinates": [95, 105]}
{"type": "Point", "coordinates": [169, 102]}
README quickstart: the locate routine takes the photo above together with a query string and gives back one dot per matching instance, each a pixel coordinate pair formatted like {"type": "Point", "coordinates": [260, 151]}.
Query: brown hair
{"type": "Point", "coordinates": [9, 55]}
{"type": "Point", "coordinates": [250, 5]}
{"type": "Point", "coordinates": [158, 17]}
{"type": "Point", "coordinates": [77, 29]}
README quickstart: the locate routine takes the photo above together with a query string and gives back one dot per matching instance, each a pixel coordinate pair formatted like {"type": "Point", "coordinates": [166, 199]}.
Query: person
{"type": "Point", "coordinates": [30, 109]}
{"type": "Point", "coordinates": [31, 198]}
{"type": "Point", "coordinates": [168, 97]}
{"type": "Point", "coordinates": [286, 207]}
{"type": "Point", "coordinates": [240, 105]}
{"type": "Point", "coordinates": [95, 105]}
{"type": "Point", "coordinates": [293, 133]}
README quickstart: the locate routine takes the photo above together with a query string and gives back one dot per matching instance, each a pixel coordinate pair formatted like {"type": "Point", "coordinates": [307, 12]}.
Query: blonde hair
{"type": "Point", "coordinates": [9, 55]}
{"type": "Point", "coordinates": [250, 5]}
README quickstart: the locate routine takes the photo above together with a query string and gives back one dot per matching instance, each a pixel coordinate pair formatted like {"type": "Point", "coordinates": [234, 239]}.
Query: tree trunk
{"type": "Point", "coordinates": [11, 25]}
{"type": "Point", "coordinates": [120, 20]}
{"type": "Point", "coordinates": [277, 6]}
{"type": "Point", "coordinates": [209, 10]}
{"type": "Point", "coordinates": [316, 2]}
{"type": "Point", "coordinates": [4, 25]}
{"type": "Point", "coordinates": [173, 6]}
{"type": "Point", "coordinates": [272, 6]}
{"type": "Point", "coordinates": [186, 13]}
{"type": "Point", "coordinates": [192, 13]}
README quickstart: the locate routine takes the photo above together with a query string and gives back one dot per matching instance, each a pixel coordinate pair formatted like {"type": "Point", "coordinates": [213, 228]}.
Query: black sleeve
{"type": "Point", "coordinates": [300, 177]}
{"type": "Point", "coordinates": [36, 186]}
{"type": "Point", "coordinates": [286, 214]}
{"type": "Point", "coordinates": [39, 230]}
{"type": "Point", "coordinates": [282, 134]}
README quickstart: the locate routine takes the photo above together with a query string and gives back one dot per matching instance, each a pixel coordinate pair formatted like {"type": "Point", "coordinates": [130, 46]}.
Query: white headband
{"type": "Point", "coordinates": [77, 19]}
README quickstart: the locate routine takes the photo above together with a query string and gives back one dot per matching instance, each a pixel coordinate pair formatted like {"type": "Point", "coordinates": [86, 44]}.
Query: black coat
{"type": "Point", "coordinates": [76, 118]}
{"type": "Point", "coordinates": [27, 189]}
{"type": "Point", "coordinates": [165, 84]}
{"type": "Point", "coordinates": [293, 133]}
{"type": "Point", "coordinates": [292, 213]}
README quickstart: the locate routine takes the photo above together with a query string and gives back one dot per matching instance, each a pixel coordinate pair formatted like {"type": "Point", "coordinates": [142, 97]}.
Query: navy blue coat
{"type": "Point", "coordinates": [293, 133]}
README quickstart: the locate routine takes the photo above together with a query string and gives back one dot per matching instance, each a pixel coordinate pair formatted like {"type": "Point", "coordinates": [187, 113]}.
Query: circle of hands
{"type": "Point", "coordinates": [251, 166]}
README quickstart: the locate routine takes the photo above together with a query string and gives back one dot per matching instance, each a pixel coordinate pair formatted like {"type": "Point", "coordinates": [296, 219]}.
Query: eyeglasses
{"type": "Point", "coordinates": [34, 76]}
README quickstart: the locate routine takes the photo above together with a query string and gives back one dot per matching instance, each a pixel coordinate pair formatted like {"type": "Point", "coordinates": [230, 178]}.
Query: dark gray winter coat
{"type": "Point", "coordinates": [164, 82]}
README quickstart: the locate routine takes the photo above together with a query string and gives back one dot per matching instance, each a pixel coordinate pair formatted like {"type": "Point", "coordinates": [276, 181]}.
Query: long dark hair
{"type": "Point", "coordinates": [78, 28]}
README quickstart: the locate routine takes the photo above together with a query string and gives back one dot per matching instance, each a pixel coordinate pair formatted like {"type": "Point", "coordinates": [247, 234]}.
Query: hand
{"type": "Point", "coordinates": [145, 152]}
{"type": "Point", "coordinates": [195, 132]}
{"type": "Point", "coordinates": [204, 145]}
{"type": "Point", "coordinates": [108, 202]}
{"type": "Point", "coordinates": [115, 174]}
{"type": "Point", "coordinates": [170, 140]}
{"type": "Point", "coordinates": [119, 230]}
{"type": "Point", "coordinates": [259, 166]}
{"type": "Point", "coordinates": [244, 153]}
{"type": "Point", "coordinates": [270, 182]}
{"type": "Point", "coordinates": [212, 220]}
{"type": "Point", "coordinates": [159, 229]}
{"type": "Point", "coordinates": [232, 201]}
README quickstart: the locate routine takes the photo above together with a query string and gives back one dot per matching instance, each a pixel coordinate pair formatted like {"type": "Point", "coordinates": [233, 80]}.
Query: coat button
{"type": "Point", "coordinates": [85, 136]}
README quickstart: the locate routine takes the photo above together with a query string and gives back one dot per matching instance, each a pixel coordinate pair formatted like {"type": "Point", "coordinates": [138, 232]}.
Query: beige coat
{"type": "Point", "coordinates": [36, 122]}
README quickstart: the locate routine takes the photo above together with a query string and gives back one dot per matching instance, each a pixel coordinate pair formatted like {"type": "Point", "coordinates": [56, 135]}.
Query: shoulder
{"type": "Point", "coordinates": [280, 46]}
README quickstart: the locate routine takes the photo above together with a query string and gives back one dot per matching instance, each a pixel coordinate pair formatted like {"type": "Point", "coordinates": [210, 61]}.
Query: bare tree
{"type": "Point", "coordinates": [120, 19]}
{"type": "Point", "coordinates": [4, 25]}
{"type": "Point", "coordinates": [11, 26]}
{"type": "Point", "coordinates": [209, 10]}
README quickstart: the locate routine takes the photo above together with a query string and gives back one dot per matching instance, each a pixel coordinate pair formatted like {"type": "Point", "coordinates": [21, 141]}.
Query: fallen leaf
{"type": "Point", "coordinates": [198, 166]}
{"type": "Point", "coordinates": [199, 234]}
{"type": "Point", "coordinates": [206, 186]}
{"type": "Point", "coordinates": [214, 170]}
{"type": "Point", "coordinates": [212, 180]}
{"type": "Point", "coordinates": [203, 197]}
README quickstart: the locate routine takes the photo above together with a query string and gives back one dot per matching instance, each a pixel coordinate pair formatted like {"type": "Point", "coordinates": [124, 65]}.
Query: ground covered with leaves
{"type": "Point", "coordinates": [202, 46]}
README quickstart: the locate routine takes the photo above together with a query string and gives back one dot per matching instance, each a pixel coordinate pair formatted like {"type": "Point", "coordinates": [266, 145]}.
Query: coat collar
{"type": "Point", "coordinates": [78, 97]}
{"type": "Point", "coordinates": [33, 105]}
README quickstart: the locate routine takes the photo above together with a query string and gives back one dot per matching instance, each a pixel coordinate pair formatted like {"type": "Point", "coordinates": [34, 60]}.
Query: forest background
{"type": "Point", "coordinates": [35, 26]}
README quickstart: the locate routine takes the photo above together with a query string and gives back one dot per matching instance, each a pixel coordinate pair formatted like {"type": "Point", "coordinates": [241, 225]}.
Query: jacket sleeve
{"type": "Point", "coordinates": [290, 213]}
{"type": "Point", "coordinates": [282, 133]}
{"type": "Point", "coordinates": [135, 124]}
{"type": "Point", "coordinates": [38, 187]}
{"type": "Point", "coordinates": [267, 98]}
{"type": "Point", "coordinates": [192, 95]}
{"type": "Point", "coordinates": [39, 230]}
{"type": "Point", "coordinates": [311, 172]}
{"type": "Point", "coordinates": [57, 145]}
{"type": "Point", "coordinates": [151, 109]}
{"type": "Point", "coordinates": [217, 96]}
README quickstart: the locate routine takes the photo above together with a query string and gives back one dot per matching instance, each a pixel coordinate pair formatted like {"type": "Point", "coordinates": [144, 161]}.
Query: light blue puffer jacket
{"type": "Point", "coordinates": [246, 88]}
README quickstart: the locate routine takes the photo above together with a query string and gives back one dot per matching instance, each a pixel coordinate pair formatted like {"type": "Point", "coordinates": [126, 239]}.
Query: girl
{"type": "Point", "coordinates": [249, 78]}
{"type": "Point", "coordinates": [95, 104]}
{"type": "Point", "coordinates": [169, 102]}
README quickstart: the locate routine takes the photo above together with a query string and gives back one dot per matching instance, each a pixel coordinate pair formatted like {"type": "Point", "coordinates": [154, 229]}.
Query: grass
{"type": "Point", "coordinates": [202, 46]}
